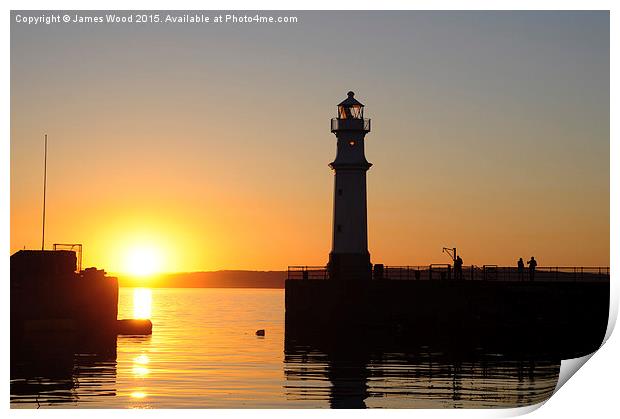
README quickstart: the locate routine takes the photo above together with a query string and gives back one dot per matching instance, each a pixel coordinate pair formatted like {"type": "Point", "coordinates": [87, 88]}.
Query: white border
{"type": "Point", "coordinates": [592, 392]}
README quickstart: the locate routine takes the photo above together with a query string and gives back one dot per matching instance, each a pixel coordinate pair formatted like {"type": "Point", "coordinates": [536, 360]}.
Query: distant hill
{"type": "Point", "coordinates": [216, 279]}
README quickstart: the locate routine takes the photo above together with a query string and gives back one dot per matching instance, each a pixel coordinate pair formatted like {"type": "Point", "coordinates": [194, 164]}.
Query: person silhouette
{"type": "Point", "coordinates": [532, 263]}
{"type": "Point", "coordinates": [520, 268]}
{"type": "Point", "coordinates": [458, 268]}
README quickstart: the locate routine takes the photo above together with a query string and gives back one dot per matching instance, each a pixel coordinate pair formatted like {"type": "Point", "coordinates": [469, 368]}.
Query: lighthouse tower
{"type": "Point", "coordinates": [349, 258]}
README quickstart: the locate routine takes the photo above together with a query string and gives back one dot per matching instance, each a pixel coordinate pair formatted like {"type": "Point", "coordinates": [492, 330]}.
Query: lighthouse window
{"type": "Point", "coordinates": [339, 228]}
{"type": "Point", "coordinates": [340, 192]}
{"type": "Point", "coordinates": [350, 112]}
{"type": "Point", "coordinates": [351, 143]}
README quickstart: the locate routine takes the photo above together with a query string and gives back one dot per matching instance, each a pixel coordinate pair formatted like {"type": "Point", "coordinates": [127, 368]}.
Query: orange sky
{"type": "Point", "coordinates": [211, 145]}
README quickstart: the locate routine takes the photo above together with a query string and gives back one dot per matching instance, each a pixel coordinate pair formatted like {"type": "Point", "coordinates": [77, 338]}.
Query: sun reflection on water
{"type": "Point", "coordinates": [140, 366]}
{"type": "Point", "coordinates": [138, 394]}
{"type": "Point", "coordinates": [141, 359]}
{"type": "Point", "coordinates": [142, 303]}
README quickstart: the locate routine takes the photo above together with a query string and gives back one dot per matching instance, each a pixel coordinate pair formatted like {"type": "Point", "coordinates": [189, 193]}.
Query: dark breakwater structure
{"type": "Point", "coordinates": [557, 313]}
{"type": "Point", "coordinates": [53, 298]}
{"type": "Point", "coordinates": [63, 323]}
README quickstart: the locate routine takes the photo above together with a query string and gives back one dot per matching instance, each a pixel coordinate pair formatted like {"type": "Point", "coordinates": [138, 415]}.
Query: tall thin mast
{"type": "Point", "coordinates": [44, 192]}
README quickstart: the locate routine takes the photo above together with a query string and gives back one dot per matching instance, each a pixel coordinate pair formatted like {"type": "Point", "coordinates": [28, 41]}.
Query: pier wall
{"type": "Point", "coordinates": [552, 319]}
{"type": "Point", "coordinates": [47, 294]}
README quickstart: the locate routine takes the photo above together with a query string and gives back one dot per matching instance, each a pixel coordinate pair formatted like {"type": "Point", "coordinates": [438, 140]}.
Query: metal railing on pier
{"type": "Point", "coordinates": [307, 272]}
{"type": "Point", "coordinates": [468, 273]}
{"type": "Point", "coordinates": [496, 273]}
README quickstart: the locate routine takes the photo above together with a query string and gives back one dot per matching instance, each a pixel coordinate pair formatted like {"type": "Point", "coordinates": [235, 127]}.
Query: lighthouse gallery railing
{"type": "Point", "coordinates": [340, 124]}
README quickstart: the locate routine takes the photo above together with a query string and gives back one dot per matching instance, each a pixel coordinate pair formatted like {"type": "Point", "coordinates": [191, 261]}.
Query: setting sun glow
{"type": "Point", "coordinates": [142, 261]}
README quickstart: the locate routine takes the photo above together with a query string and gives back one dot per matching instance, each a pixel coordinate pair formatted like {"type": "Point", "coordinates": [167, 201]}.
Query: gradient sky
{"type": "Point", "coordinates": [211, 142]}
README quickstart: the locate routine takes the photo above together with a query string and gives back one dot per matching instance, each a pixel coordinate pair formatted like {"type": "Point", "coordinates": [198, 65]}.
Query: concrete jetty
{"type": "Point", "coordinates": [544, 318]}
{"type": "Point", "coordinates": [49, 295]}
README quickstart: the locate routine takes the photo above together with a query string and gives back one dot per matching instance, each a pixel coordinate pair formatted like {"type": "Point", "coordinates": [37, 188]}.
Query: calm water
{"type": "Point", "coordinates": [204, 354]}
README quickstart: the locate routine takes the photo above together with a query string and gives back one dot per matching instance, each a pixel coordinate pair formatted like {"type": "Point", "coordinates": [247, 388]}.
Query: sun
{"type": "Point", "coordinates": [142, 261]}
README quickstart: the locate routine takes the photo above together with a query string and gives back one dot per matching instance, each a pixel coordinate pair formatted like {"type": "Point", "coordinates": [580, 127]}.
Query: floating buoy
{"type": "Point", "coordinates": [260, 332]}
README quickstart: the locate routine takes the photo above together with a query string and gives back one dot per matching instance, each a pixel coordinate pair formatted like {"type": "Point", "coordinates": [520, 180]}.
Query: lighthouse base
{"type": "Point", "coordinates": [349, 266]}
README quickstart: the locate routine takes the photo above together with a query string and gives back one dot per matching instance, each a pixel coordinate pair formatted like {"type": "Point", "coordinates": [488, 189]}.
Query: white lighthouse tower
{"type": "Point", "coordinates": [349, 258]}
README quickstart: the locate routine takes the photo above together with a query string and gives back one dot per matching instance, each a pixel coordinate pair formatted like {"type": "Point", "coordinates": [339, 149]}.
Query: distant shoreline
{"type": "Point", "coordinates": [205, 287]}
{"type": "Point", "coordinates": [213, 279]}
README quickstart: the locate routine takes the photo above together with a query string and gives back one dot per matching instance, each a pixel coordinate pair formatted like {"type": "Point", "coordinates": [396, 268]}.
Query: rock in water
{"type": "Point", "coordinates": [260, 332]}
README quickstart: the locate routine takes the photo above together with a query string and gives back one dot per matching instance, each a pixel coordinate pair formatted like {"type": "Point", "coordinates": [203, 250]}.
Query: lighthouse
{"type": "Point", "coordinates": [349, 258]}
